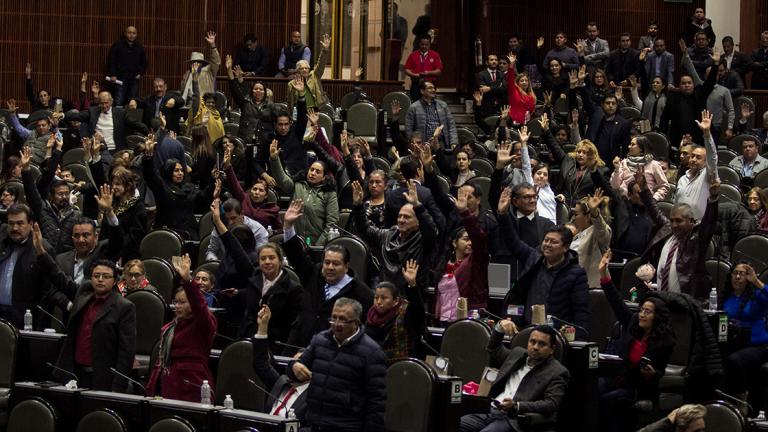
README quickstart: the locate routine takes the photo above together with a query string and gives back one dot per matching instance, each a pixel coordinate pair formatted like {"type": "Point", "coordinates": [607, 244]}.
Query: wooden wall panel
{"type": "Point", "coordinates": [64, 38]}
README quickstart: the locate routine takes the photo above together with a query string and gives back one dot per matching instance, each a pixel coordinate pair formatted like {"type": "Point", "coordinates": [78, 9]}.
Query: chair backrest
{"type": "Point", "coordinates": [160, 244]}
{"type": "Point", "coordinates": [36, 173]}
{"type": "Point", "coordinates": [482, 167]}
{"type": "Point", "coordinates": [328, 110]}
{"type": "Point", "coordinates": [410, 386]}
{"type": "Point", "coordinates": [465, 135]}
{"type": "Point", "coordinates": [484, 184]}
{"type": "Point", "coordinates": [659, 143]}
{"type": "Point", "coordinates": [358, 255]}
{"type": "Point", "coordinates": [104, 420]}
{"type": "Point", "coordinates": [362, 118]}
{"type": "Point", "coordinates": [628, 278]}
{"type": "Point", "coordinates": [185, 141]}
{"type": "Point", "coordinates": [235, 369]}
{"type": "Point", "coordinates": [79, 171]}
{"type": "Point", "coordinates": [74, 155]}
{"type": "Point", "coordinates": [521, 340]}
{"type": "Point", "coordinates": [402, 97]}
{"type": "Point", "coordinates": [160, 274]}
{"type": "Point", "coordinates": [205, 226]}
{"type": "Point", "coordinates": [630, 113]}
{"type": "Point", "coordinates": [601, 319]}
{"type": "Point", "coordinates": [722, 416]}
{"type": "Point", "coordinates": [761, 179]}
{"type": "Point", "coordinates": [202, 248]}
{"type": "Point", "coordinates": [445, 185]}
{"type": "Point", "coordinates": [682, 324]}
{"type": "Point", "coordinates": [221, 101]}
{"type": "Point", "coordinates": [17, 188]}
{"type": "Point", "coordinates": [172, 424]}
{"type": "Point", "coordinates": [132, 141]}
{"type": "Point", "coordinates": [210, 266]}
{"type": "Point", "coordinates": [534, 127]}
{"type": "Point", "coordinates": [728, 175]}
{"type": "Point", "coordinates": [735, 143]}
{"type": "Point", "coordinates": [347, 101]}
{"type": "Point", "coordinates": [665, 207]}
{"type": "Point", "coordinates": [231, 128]}
{"type": "Point", "coordinates": [718, 272]}
{"type": "Point", "coordinates": [752, 250]}
{"type": "Point", "coordinates": [725, 156]}
{"type": "Point", "coordinates": [464, 344]}
{"type": "Point", "coordinates": [562, 213]}
{"type": "Point", "coordinates": [32, 415]}
{"type": "Point", "coordinates": [326, 122]}
{"type": "Point", "coordinates": [9, 337]}
{"type": "Point", "coordinates": [344, 216]}
{"type": "Point", "coordinates": [381, 163]}
{"type": "Point", "coordinates": [150, 317]}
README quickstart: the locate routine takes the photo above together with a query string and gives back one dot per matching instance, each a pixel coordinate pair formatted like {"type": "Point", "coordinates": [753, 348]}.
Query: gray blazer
{"type": "Point", "coordinates": [541, 390]}
{"type": "Point", "coordinates": [595, 57]}
{"type": "Point", "coordinates": [416, 121]}
{"type": "Point", "coordinates": [667, 66]}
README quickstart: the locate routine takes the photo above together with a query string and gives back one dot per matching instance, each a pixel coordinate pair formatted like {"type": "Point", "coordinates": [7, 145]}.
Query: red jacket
{"type": "Point", "coordinates": [519, 103]}
{"type": "Point", "coordinates": [190, 352]}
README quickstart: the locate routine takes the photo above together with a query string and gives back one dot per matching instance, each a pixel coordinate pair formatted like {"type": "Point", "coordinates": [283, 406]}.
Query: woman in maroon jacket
{"type": "Point", "coordinates": [254, 204]}
{"type": "Point", "coordinates": [185, 344]}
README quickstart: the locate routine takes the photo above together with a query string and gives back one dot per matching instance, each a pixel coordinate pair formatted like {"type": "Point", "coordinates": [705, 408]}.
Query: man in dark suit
{"type": "Point", "coordinates": [529, 381]}
{"type": "Point", "coordinates": [622, 62]}
{"type": "Point", "coordinates": [323, 283]}
{"type": "Point", "coordinates": [607, 129]}
{"type": "Point", "coordinates": [658, 62]}
{"type": "Point", "coordinates": [411, 169]}
{"type": "Point", "coordinates": [163, 102]}
{"type": "Point", "coordinates": [110, 121]}
{"type": "Point", "coordinates": [492, 85]}
{"type": "Point", "coordinates": [736, 61]}
{"type": "Point", "coordinates": [284, 394]}
{"type": "Point", "coordinates": [529, 224]}
{"type": "Point", "coordinates": [101, 332]}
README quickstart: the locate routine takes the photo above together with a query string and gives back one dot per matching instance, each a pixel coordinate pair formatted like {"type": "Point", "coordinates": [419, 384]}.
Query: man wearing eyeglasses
{"type": "Point", "coordinates": [101, 332]}
{"type": "Point", "coordinates": [346, 370]}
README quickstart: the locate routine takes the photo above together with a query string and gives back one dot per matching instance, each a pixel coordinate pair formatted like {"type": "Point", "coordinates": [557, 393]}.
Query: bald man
{"type": "Point", "coordinates": [126, 62]}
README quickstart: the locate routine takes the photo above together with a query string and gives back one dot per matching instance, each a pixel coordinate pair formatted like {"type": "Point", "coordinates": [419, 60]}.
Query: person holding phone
{"type": "Point", "coordinates": [645, 345]}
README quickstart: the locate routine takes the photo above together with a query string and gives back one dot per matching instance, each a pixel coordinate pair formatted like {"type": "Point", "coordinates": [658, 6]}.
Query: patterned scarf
{"type": "Point", "coordinates": [636, 161]}
{"type": "Point", "coordinates": [166, 340]}
{"type": "Point", "coordinates": [122, 208]}
{"type": "Point", "coordinates": [396, 343]}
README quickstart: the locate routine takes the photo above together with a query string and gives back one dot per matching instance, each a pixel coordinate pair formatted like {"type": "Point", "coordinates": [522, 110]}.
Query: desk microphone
{"type": "Point", "coordinates": [434, 351]}
{"type": "Point", "coordinates": [50, 315]}
{"type": "Point", "coordinates": [54, 367]}
{"type": "Point", "coordinates": [287, 345]}
{"type": "Point", "coordinates": [191, 383]}
{"type": "Point", "coordinates": [344, 231]}
{"type": "Point", "coordinates": [224, 337]}
{"type": "Point", "coordinates": [493, 315]}
{"type": "Point", "coordinates": [122, 375]}
{"type": "Point", "coordinates": [571, 324]}
{"type": "Point", "coordinates": [262, 389]}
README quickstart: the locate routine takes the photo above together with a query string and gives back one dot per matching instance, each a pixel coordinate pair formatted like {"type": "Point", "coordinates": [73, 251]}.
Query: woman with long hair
{"type": "Point", "coordinates": [745, 301]}
{"type": "Point", "coordinates": [645, 345]}
{"type": "Point", "coordinates": [134, 278]}
{"type": "Point", "coordinates": [522, 100]}
{"type": "Point", "coordinates": [203, 156]}
{"type": "Point", "coordinates": [591, 233]}
{"type": "Point", "coordinates": [130, 211]}
{"type": "Point", "coordinates": [463, 171]}
{"type": "Point", "coordinates": [466, 270]}
{"type": "Point", "coordinates": [11, 169]}
{"type": "Point", "coordinates": [639, 156]}
{"type": "Point", "coordinates": [256, 109]}
{"type": "Point", "coordinates": [653, 105]}
{"type": "Point", "coordinates": [396, 320]}
{"type": "Point", "coordinates": [185, 343]}
{"type": "Point", "coordinates": [554, 79]}
{"type": "Point", "coordinates": [757, 204]}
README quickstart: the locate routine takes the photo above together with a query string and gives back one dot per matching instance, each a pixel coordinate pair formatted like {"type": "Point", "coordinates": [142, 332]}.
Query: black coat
{"type": "Point", "coordinates": [254, 119]}
{"type": "Point", "coordinates": [172, 115]}
{"type": "Point", "coordinates": [135, 225]}
{"type": "Point", "coordinates": [497, 96]}
{"type": "Point", "coordinates": [347, 391]}
{"type": "Point", "coordinates": [622, 64]}
{"type": "Point", "coordinates": [120, 122]}
{"type": "Point", "coordinates": [284, 298]}
{"type": "Point", "coordinates": [609, 146]}
{"type": "Point", "coordinates": [394, 200]}
{"type": "Point", "coordinates": [275, 382]}
{"type": "Point", "coordinates": [568, 185]}
{"type": "Point", "coordinates": [316, 309]}
{"type": "Point", "coordinates": [113, 334]}
{"type": "Point", "coordinates": [55, 225]}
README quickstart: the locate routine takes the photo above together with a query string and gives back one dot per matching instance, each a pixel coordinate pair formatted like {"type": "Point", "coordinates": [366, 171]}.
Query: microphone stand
{"type": "Point", "coordinates": [572, 325]}
{"type": "Point", "coordinates": [282, 402]}
{"type": "Point", "coordinates": [122, 375]}
{"type": "Point", "coordinates": [54, 367]}
{"type": "Point", "coordinates": [50, 315]}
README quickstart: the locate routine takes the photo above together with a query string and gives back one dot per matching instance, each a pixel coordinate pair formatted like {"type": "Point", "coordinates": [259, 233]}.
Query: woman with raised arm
{"type": "Point", "coordinates": [254, 204]}
{"type": "Point", "coordinates": [185, 343]}
{"type": "Point", "coordinates": [256, 110]}
{"type": "Point", "coordinates": [130, 211]}
{"type": "Point", "coordinates": [315, 96]}
{"type": "Point", "coordinates": [546, 204]}
{"type": "Point", "coordinates": [639, 155]}
{"type": "Point", "coordinates": [396, 320]}
{"type": "Point", "coordinates": [645, 345]}
{"type": "Point", "coordinates": [591, 233]}
{"type": "Point", "coordinates": [522, 101]}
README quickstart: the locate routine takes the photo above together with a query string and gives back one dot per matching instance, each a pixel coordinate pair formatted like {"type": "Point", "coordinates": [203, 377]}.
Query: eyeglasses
{"type": "Point", "coordinates": [529, 197]}
{"type": "Point", "coordinates": [102, 276]}
{"type": "Point", "coordinates": [135, 275]}
{"type": "Point", "coordinates": [340, 321]}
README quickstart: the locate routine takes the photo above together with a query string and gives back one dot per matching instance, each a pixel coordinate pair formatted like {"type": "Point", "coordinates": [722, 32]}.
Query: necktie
{"type": "Point", "coordinates": [284, 402]}
{"type": "Point", "coordinates": [493, 76]}
{"type": "Point", "coordinates": [664, 274]}
{"type": "Point", "coordinates": [327, 291]}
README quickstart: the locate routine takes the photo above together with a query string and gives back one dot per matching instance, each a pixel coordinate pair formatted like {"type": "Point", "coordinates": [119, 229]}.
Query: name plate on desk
{"type": "Point", "coordinates": [456, 385]}
{"type": "Point", "coordinates": [233, 417]}
{"type": "Point", "coordinates": [722, 328]}
{"type": "Point", "coordinates": [594, 357]}
{"type": "Point", "coordinates": [32, 334]}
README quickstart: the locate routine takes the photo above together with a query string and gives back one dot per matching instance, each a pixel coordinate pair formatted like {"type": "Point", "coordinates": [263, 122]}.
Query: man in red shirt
{"type": "Point", "coordinates": [423, 64]}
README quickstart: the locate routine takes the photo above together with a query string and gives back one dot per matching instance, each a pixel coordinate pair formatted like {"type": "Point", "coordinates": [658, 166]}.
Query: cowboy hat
{"type": "Point", "coordinates": [197, 57]}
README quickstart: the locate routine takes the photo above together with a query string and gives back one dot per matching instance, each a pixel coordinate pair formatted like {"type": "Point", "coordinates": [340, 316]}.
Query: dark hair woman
{"type": "Point", "coordinates": [646, 343]}
{"type": "Point", "coordinates": [757, 204]}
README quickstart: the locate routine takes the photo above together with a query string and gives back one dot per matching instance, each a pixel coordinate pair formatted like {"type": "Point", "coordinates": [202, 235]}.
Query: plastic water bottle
{"type": "Point", "coordinates": [338, 113]}
{"type": "Point", "coordinates": [550, 321]}
{"type": "Point", "coordinates": [285, 262]}
{"type": "Point", "coordinates": [291, 414]}
{"type": "Point", "coordinates": [270, 231]}
{"type": "Point", "coordinates": [295, 114]}
{"type": "Point", "coordinates": [28, 320]}
{"type": "Point", "coordinates": [205, 393]}
{"type": "Point", "coordinates": [229, 403]}
{"type": "Point", "coordinates": [760, 416]}
{"type": "Point", "coordinates": [713, 299]}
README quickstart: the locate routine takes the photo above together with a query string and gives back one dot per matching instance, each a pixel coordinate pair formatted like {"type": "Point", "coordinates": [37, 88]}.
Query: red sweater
{"type": "Point", "coordinates": [519, 103]}
{"type": "Point", "coordinates": [472, 274]}
{"type": "Point", "coordinates": [190, 352]}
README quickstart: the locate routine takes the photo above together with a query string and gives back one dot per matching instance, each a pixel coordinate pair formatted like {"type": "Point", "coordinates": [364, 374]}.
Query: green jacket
{"type": "Point", "coordinates": [321, 206]}
{"type": "Point", "coordinates": [313, 85]}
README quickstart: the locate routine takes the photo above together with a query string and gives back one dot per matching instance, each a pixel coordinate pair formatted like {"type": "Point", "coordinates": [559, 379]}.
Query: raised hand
{"type": "Point", "coordinates": [746, 110]}
{"type": "Point", "coordinates": [477, 95]}
{"type": "Point", "coordinates": [238, 71]}
{"type": "Point", "coordinates": [504, 113]}
{"type": "Point", "coordinates": [544, 122]}
{"type": "Point", "coordinates": [604, 261]}
{"type": "Point", "coordinates": [28, 70]}
{"type": "Point", "coordinates": [193, 69]}
{"type": "Point", "coordinates": [632, 81]}
{"type": "Point", "coordinates": [271, 182]}
{"type": "Point", "coordinates": [593, 202]}
{"type": "Point", "coordinates": [217, 188]}
{"type": "Point", "coordinates": [84, 79]}
{"type": "Point", "coordinates": [298, 85]}
{"type": "Point", "coordinates": [579, 45]}
{"type": "Point", "coordinates": [644, 53]}
{"type": "Point", "coordinates": [412, 196]}
{"type": "Point", "coordinates": [216, 211]}
{"type": "Point", "coordinates": [640, 178]}
{"type": "Point", "coordinates": [294, 212]}
{"type": "Point", "coordinates": [104, 199]}
{"type": "Point", "coordinates": [539, 42]}
{"type": "Point", "coordinates": [149, 145]}
{"type": "Point", "coordinates": [616, 163]}
{"type": "Point", "coordinates": [410, 270]}
{"type": "Point", "coordinates": [95, 88]}
{"type": "Point", "coordinates": [715, 56]}
{"type": "Point", "coordinates": [683, 47]}
{"type": "Point", "coordinates": [524, 135]}
{"type": "Point", "coordinates": [312, 116]}
{"type": "Point", "coordinates": [11, 104]}
{"type": "Point", "coordinates": [461, 199]}
{"type": "Point", "coordinates": [573, 78]}
{"type": "Point", "coordinates": [357, 193]}
{"type": "Point", "coordinates": [575, 116]}
{"type": "Point", "coordinates": [365, 148]}
{"type": "Point", "coordinates": [686, 140]}
{"type": "Point", "coordinates": [25, 157]}
{"type": "Point", "coordinates": [326, 41]}
{"type": "Point", "coordinates": [582, 74]}
{"type": "Point", "coordinates": [210, 37]}
{"type": "Point", "coordinates": [425, 155]}
{"type": "Point", "coordinates": [37, 239]}
{"type": "Point", "coordinates": [227, 157]}
{"type": "Point", "coordinates": [274, 152]}
{"type": "Point", "coordinates": [262, 319]}
{"type": "Point", "coordinates": [184, 267]}
{"type": "Point", "coordinates": [344, 138]}
{"type": "Point", "coordinates": [395, 107]}
{"type": "Point", "coordinates": [228, 62]}
{"type": "Point", "coordinates": [512, 59]}
{"type": "Point", "coordinates": [706, 121]}
{"type": "Point", "coordinates": [752, 277]}
{"type": "Point", "coordinates": [504, 199]}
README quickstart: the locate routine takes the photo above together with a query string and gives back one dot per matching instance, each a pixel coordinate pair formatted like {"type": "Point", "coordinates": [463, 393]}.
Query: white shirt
{"type": "Point", "coordinates": [267, 284]}
{"type": "Point", "coordinates": [513, 383]}
{"type": "Point", "coordinates": [673, 284]}
{"type": "Point", "coordinates": [694, 190]}
{"type": "Point", "coordinates": [106, 126]}
{"type": "Point", "coordinates": [289, 402]}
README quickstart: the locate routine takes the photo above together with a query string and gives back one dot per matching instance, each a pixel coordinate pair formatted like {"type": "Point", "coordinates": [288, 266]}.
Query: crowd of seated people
{"type": "Point", "coordinates": [559, 210]}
